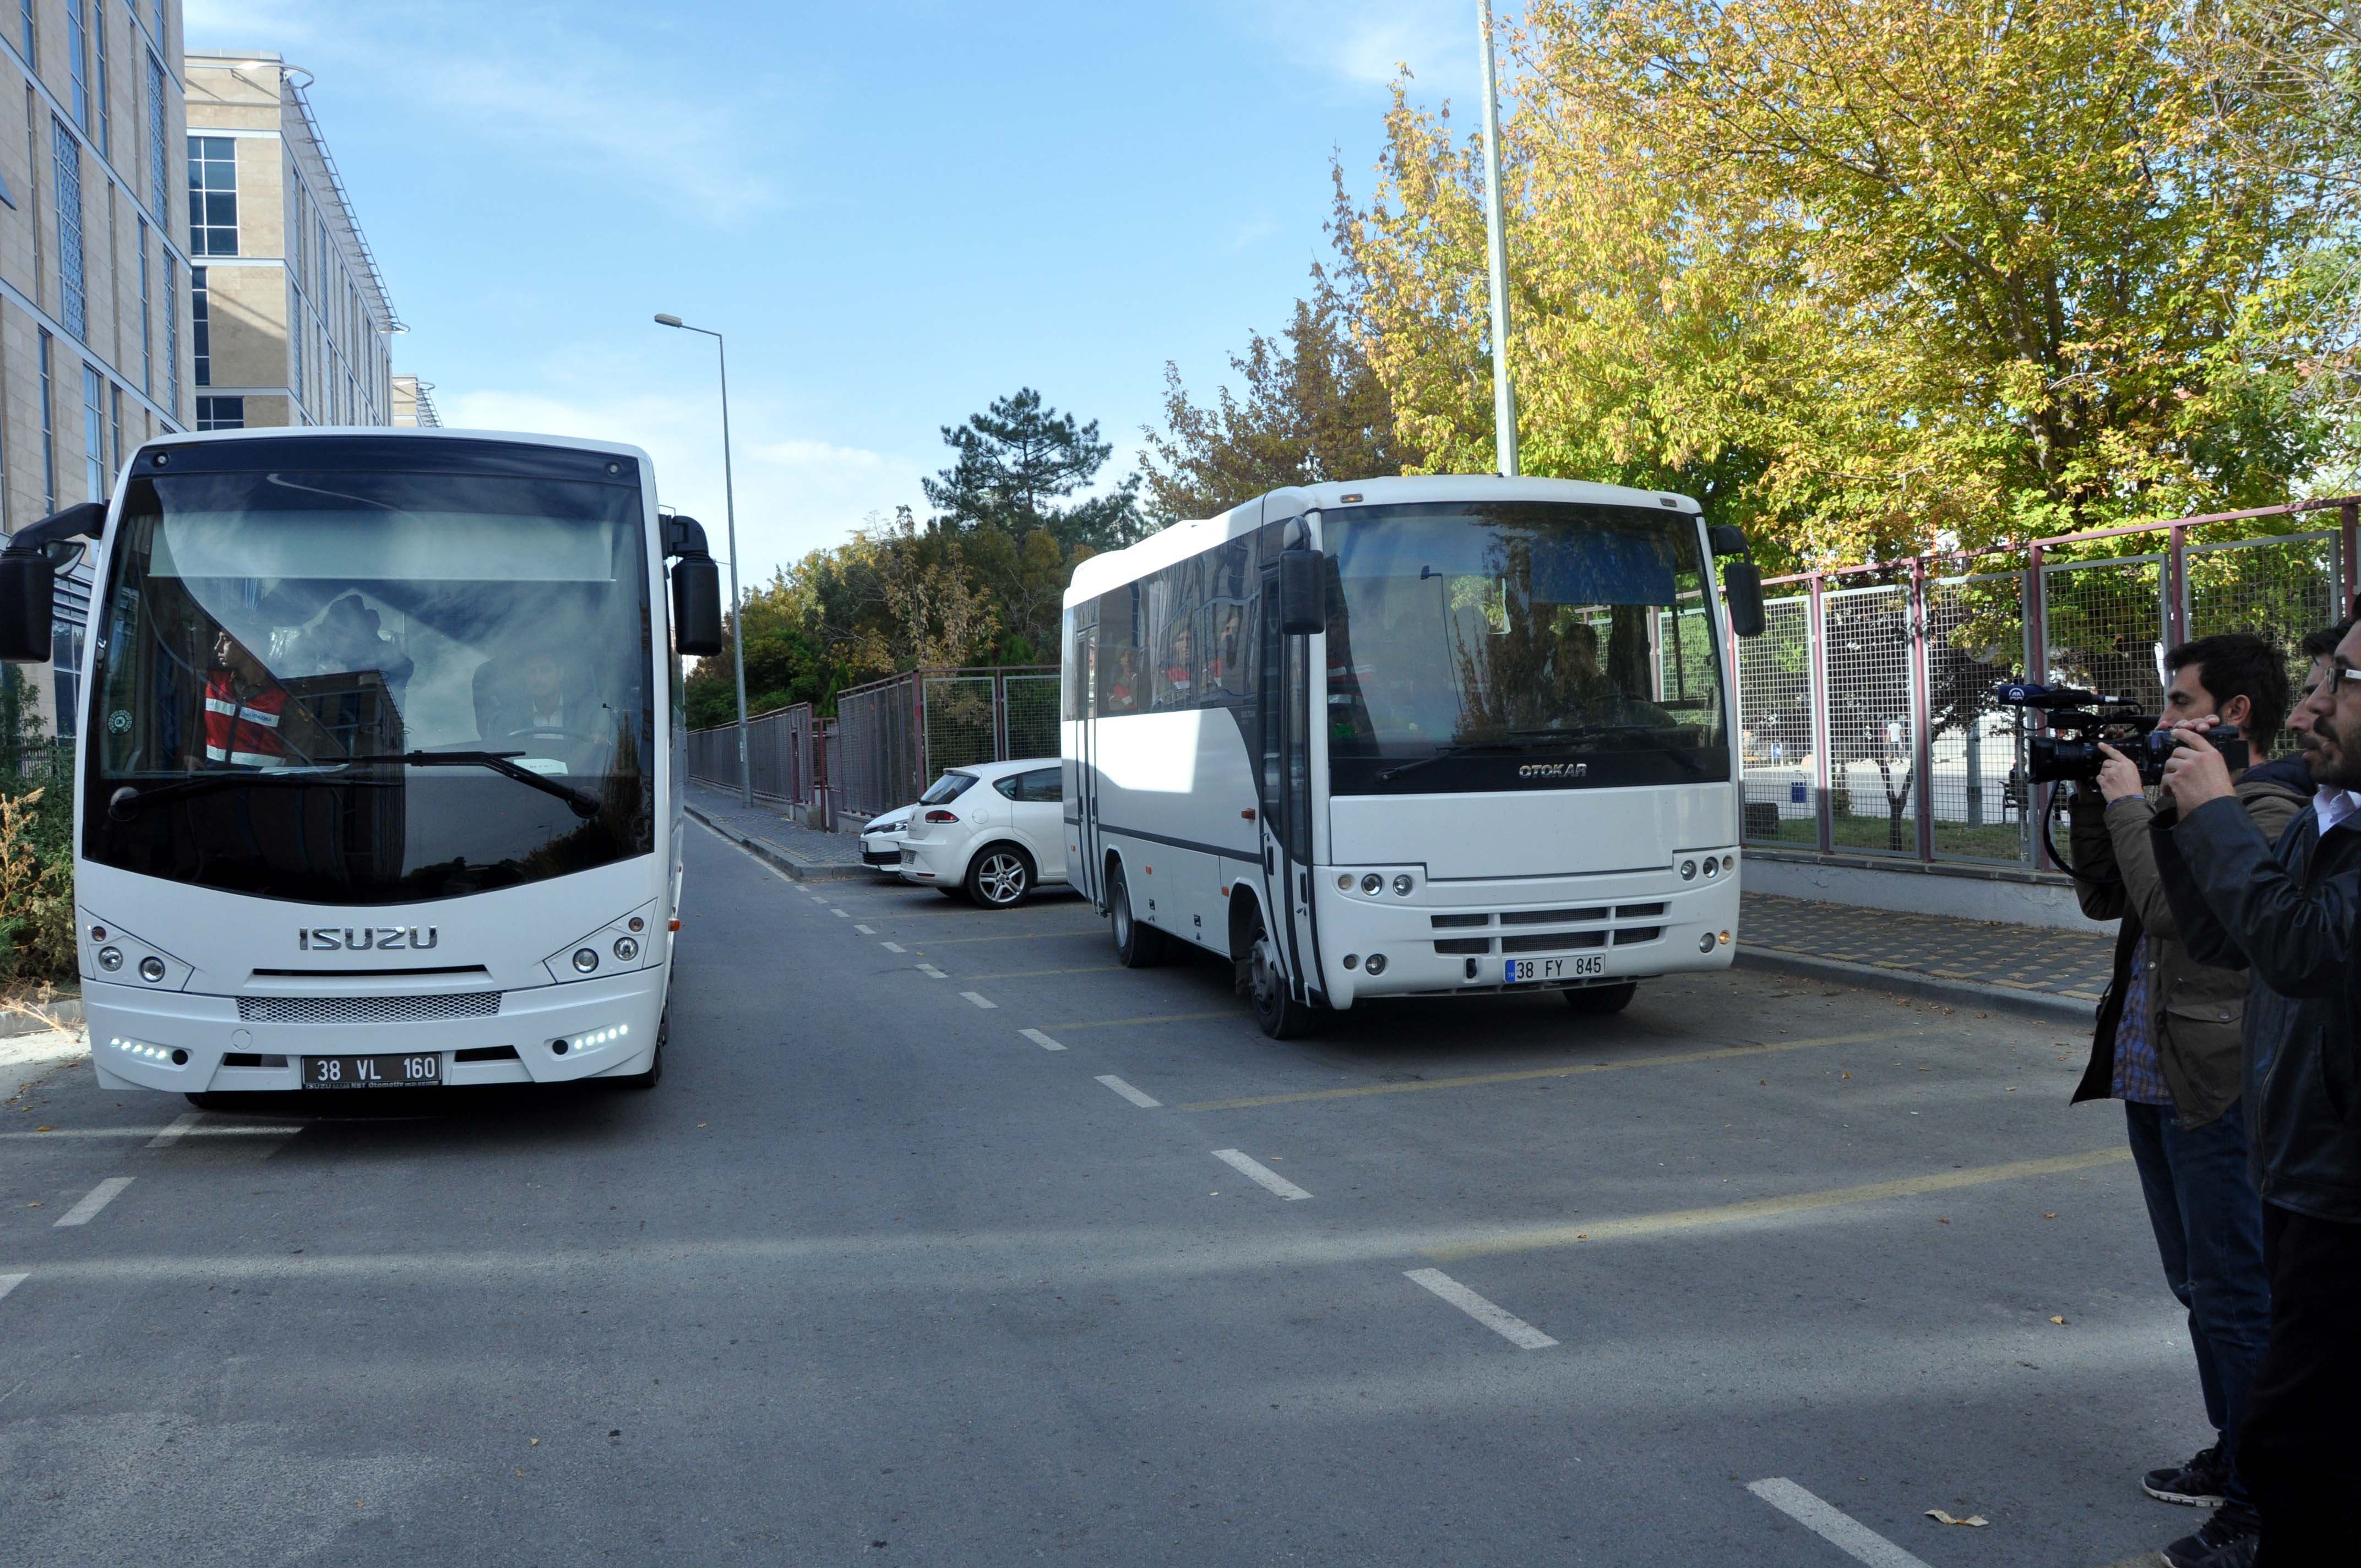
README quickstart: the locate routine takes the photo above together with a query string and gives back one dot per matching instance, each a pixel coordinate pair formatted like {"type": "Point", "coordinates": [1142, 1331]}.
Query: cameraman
{"type": "Point", "coordinates": [2291, 916]}
{"type": "Point", "coordinates": [2166, 1045]}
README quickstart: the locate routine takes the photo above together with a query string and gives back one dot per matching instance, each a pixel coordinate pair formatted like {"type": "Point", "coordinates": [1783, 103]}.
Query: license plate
{"type": "Point", "coordinates": [1523, 969]}
{"type": "Point", "coordinates": [414, 1071]}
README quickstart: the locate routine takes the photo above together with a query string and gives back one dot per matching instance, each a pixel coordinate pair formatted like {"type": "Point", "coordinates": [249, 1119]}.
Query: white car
{"type": "Point", "coordinates": [881, 841]}
{"type": "Point", "coordinates": [994, 832]}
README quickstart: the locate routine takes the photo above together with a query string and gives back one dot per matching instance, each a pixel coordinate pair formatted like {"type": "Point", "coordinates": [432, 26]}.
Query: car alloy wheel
{"type": "Point", "coordinates": [1000, 878]}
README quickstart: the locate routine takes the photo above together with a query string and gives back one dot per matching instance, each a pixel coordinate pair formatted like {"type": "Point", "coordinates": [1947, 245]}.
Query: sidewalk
{"type": "Point", "coordinates": [763, 827]}
{"type": "Point", "coordinates": [2058, 975]}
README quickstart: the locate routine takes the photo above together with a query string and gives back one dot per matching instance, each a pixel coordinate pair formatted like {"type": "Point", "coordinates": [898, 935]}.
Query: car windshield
{"type": "Point", "coordinates": [949, 787]}
{"type": "Point", "coordinates": [278, 645]}
{"type": "Point", "coordinates": [1519, 645]}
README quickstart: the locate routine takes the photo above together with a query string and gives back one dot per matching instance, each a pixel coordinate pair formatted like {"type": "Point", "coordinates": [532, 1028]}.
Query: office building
{"type": "Point", "coordinates": [414, 403]}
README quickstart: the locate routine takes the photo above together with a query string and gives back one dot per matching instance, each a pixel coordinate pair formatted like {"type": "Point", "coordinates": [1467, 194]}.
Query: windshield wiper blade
{"type": "Point", "coordinates": [1644, 733]}
{"type": "Point", "coordinates": [1465, 748]}
{"type": "Point", "coordinates": [130, 797]}
{"type": "Point", "coordinates": [584, 803]}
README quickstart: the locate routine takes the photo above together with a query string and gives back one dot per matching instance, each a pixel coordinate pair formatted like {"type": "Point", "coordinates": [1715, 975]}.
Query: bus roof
{"type": "Point", "coordinates": [1181, 540]}
{"type": "Point", "coordinates": [393, 433]}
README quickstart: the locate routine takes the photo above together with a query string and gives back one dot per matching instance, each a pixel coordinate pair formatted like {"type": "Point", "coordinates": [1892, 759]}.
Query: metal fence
{"type": "Point", "coordinates": [893, 736]}
{"type": "Point", "coordinates": [1867, 707]}
{"type": "Point", "coordinates": [779, 756]}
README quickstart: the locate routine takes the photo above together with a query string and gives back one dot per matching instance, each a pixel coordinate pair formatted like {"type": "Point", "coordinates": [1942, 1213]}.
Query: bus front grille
{"type": "Point", "coordinates": [367, 1009]}
{"type": "Point", "coordinates": [1555, 942]}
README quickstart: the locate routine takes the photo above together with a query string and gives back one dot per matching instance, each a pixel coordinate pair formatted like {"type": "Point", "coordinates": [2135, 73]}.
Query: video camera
{"type": "Point", "coordinates": [2073, 753]}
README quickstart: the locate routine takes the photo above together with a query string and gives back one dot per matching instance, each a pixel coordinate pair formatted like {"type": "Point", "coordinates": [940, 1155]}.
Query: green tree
{"type": "Point", "coordinates": [1017, 462]}
{"type": "Point", "coordinates": [1313, 410]}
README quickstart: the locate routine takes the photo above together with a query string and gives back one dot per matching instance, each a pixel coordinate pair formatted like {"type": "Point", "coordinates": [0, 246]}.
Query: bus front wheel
{"type": "Point", "coordinates": [1282, 1017]}
{"type": "Point", "coordinates": [1136, 945]}
{"type": "Point", "coordinates": [1598, 1000]}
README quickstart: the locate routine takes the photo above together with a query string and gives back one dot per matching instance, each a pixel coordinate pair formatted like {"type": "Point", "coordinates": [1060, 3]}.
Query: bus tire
{"type": "Point", "coordinates": [1280, 1016]}
{"type": "Point", "coordinates": [655, 1075]}
{"type": "Point", "coordinates": [999, 876]}
{"type": "Point", "coordinates": [1136, 945]}
{"type": "Point", "coordinates": [1598, 1000]}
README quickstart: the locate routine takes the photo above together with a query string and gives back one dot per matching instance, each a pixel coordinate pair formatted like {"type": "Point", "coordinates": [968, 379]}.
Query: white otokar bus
{"type": "Point", "coordinates": [1413, 736]}
{"type": "Point", "coordinates": [380, 778]}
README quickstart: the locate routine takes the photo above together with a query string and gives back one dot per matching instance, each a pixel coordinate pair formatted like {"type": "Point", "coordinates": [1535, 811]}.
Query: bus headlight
{"type": "Point", "coordinates": [1688, 870]}
{"type": "Point", "coordinates": [1371, 882]}
{"type": "Point", "coordinates": [1375, 963]}
{"type": "Point", "coordinates": [585, 959]}
{"type": "Point", "coordinates": [110, 958]}
{"type": "Point", "coordinates": [1705, 943]}
{"type": "Point", "coordinates": [151, 969]}
{"type": "Point", "coordinates": [626, 948]}
{"type": "Point", "coordinates": [1403, 884]}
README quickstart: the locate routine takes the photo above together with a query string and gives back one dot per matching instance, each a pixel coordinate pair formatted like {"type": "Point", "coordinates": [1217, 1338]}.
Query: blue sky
{"type": "Point", "coordinates": [897, 212]}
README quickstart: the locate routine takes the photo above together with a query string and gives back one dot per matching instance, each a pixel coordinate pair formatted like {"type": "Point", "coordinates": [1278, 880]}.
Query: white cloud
{"type": "Point", "coordinates": [806, 455]}
{"type": "Point", "coordinates": [1367, 41]}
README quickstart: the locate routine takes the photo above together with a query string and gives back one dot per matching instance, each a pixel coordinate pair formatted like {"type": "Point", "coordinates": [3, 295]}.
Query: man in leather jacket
{"type": "Point", "coordinates": [2166, 1045]}
{"type": "Point", "coordinates": [2291, 916]}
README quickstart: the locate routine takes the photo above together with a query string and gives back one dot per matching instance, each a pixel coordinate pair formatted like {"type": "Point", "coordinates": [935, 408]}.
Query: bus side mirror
{"type": "Point", "coordinates": [696, 605]}
{"type": "Point", "coordinates": [28, 584]}
{"type": "Point", "coordinates": [1303, 592]}
{"type": "Point", "coordinates": [1741, 592]}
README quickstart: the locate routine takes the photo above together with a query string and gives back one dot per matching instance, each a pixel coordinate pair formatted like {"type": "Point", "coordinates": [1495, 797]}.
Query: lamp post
{"type": "Point", "coordinates": [729, 504]}
{"type": "Point", "coordinates": [1504, 393]}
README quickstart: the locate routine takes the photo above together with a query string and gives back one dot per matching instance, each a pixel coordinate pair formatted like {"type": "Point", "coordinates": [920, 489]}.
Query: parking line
{"type": "Point", "coordinates": [1041, 1039]}
{"type": "Point", "coordinates": [173, 1134]}
{"type": "Point", "coordinates": [1019, 936]}
{"type": "Point", "coordinates": [1260, 1175]}
{"type": "Point", "coordinates": [1471, 1080]}
{"type": "Point", "coordinates": [931, 972]}
{"type": "Point", "coordinates": [980, 1001]}
{"type": "Point", "coordinates": [1157, 1018]}
{"type": "Point", "coordinates": [98, 1198]}
{"type": "Point", "coordinates": [893, 946]}
{"type": "Point", "coordinates": [1037, 973]}
{"type": "Point", "coordinates": [1128, 1093]}
{"type": "Point", "coordinates": [1766, 1208]}
{"type": "Point", "coordinates": [866, 930]}
{"type": "Point", "coordinates": [840, 914]}
{"type": "Point", "coordinates": [1507, 1325]}
{"type": "Point", "coordinates": [1839, 1530]}
{"type": "Point", "coordinates": [10, 1281]}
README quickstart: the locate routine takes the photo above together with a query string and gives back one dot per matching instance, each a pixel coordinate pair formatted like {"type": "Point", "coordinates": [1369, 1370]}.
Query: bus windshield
{"type": "Point", "coordinates": [362, 686]}
{"type": "Point", "coordinates": [1519, 645]}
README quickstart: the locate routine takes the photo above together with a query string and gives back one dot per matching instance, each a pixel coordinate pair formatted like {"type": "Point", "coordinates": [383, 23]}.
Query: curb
{"type": "Point", "coordinates": [2050, 1009]}
{"type": "Point", "coordinates": [776, 858]}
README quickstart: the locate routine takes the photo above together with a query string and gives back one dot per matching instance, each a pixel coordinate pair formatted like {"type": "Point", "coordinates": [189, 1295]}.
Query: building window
{"type": "Point", "coordinates": [172, 338]}
{"type": "Point", "coordinates": [114, 409]}
{"type": "Point", "coordinates": [201, 337]}
{"type": "Point", "coordinates": [295, 342]}
{"type": "Point", "coordinates": [160, 186]}
{"type": "Point", "coordinates": [71, 312]}
{"type": "Point", "coordinates": [221, 413]}
{"type": "Point", "coordinates": [93, 433]}
{"type": "Point", "coordinates": [146, 321]}
{"type": "Point", "coordinates": [213, 196]}
{"type": "Point", "coordinates": [48, 428]}
{"type": "Point", "coordinates": [32, 40]}
{"type": "Point", "coordinates": [78, 60]}
{"type": "Point", "coordinates": [105, 114]}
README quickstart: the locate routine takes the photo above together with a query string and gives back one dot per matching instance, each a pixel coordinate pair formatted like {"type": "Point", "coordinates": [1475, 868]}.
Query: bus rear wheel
{"type": "Point", "coordinates": [1275, 1008]}
{"type": "Point", "coordinates": [1136, 945]}
{"type": "Point", "coordinates": [1598, 1000]}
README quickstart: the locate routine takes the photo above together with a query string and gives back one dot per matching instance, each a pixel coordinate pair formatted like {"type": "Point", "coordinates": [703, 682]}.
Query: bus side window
{"type": "Point", "coordinates": [1121, 685]}
{"type": "Point", "coordinates": [1174, 594]}
{"type": "Point", "coordinates": [1226, 642]}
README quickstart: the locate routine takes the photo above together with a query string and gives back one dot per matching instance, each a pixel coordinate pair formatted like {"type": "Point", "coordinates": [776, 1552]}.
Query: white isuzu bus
{"type": "Point", "coordinates": [380, 778]}
{"type": "Point", "coordinates": [1410, 737]}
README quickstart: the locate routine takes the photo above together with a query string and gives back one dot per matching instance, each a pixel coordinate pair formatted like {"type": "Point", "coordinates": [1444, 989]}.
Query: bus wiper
{"type": "Point", "coordinates": [130, 797]}
{"type": "Point", "coordinates": [1644, 733]}
{"type": "Point", "coordinates": [1465, 748]}
{"type": "Point", "coordinates": [584, 803]}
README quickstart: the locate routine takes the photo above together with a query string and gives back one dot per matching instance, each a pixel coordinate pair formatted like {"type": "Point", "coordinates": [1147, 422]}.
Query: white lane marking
{"type": "Point", "coordinates": [931, 972]}
{"type": "Point", "coordinates": [981, 1000]}
{"type": "Point", "coordinates": [841, 914]}
{"type": "Point", "coordinates": [1507, 1325]}
{"type": "Point", "coordinates": [98, 1198]}
{"type": "Point", "coordinates": [1128, 1093]}
{"type": "Point", "coordinates": [1041, 1039]}
{"type": "Point", "coordinates": [866, 930]}
{"type": "Point", "coordinates": [202, 1130]}
{"type": "Point", "coordinates": [893, 946]}
{"type": "Point", "coordinates": [1260, 1175]}
{"type": "Point", "coordinates": [173, 1134]}
{"type": "Point", "coordinates": [1840, 1531]}
{"type": "Point", "coordinates": [10, 1281]}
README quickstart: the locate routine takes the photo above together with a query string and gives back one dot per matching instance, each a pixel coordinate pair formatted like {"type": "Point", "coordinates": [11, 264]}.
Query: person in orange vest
{"type": "Point", "coordinates": [243, 706]}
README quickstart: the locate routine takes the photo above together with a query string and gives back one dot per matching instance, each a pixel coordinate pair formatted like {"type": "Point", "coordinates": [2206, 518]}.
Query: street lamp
{"type": "Point", "coordinates": [737, 606]}
{"type": "Point", "coordinates": [1504, 391]}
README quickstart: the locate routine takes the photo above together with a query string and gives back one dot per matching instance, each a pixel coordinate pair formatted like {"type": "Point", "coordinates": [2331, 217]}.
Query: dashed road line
{"type": "Point", "coordinates": [866, 930]}
{"type": "Point", "coordinates": [1766, 1208]}
{"type": "Point", "coordinates": [1128, 1093]}
{"type": "Point", "coordinates": [195, 1125]}
{"type": "Point", "coordinates": [893, 946]}
{"type": "Point", "coordinates": [1471, 1080]}
{"type": "Point", "coordinates": [1507, 1325]}
{"type": "Point", "coordinates": [931, 972]}
{"type": "Point", "coordinates": [98, 1198]}
{"type": "Point", "coordinates": [1037, 973]}
{"type": "Point", "coordinates": [1153, 1018]}
{"type": "Point", "coordinates": [1262, 1176]}
{"type": "Point", "coordinates": [1018, 937]}
{"type": "Point", "coordinates": [981, 1000]}
{"type": "Point", "coordinates": [1041, 1039]}
{"type": "Point", "coordinates": [173, 1134]}
{"type": "Point", "coordinates": [1839, 1530]}
{"type": "Point", "coordinates": [10, 1281]}
{"type": "Point", "coordinates": [840, 914]}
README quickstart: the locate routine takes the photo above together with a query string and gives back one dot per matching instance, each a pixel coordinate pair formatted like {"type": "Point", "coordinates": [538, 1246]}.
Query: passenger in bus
{"type": "Point", "coordinates": [349, 639]}
{"type": "Point", "coordinates": [244, 707]}
{"type": "Point", "coordinates": [1177, 688]}
{"type": "Point", "coordinates": [1123, 682]}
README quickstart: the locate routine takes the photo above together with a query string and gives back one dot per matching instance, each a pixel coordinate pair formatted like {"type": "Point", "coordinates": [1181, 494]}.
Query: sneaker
{"type": "Point", "coordinates": [2198, 1482]}
{"type": "Point", "coordinates": [2226, 1540]}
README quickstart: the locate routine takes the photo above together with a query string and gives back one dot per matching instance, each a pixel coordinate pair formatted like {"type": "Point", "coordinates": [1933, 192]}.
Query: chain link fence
{"type": "Point", "coordinates": [778, 755]}
{"type": "Point", "coordinates": [893, 736]}
{"type": "Point", "coordinates": [1870, 724]}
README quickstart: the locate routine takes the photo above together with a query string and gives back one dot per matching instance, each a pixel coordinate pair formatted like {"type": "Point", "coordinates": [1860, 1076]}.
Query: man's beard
{"type": "Point", "coordinates": [2333, 752]}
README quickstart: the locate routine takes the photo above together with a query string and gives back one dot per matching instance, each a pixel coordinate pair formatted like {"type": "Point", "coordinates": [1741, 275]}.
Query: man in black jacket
{"type": "Point", "coordinates": [2292, 917]}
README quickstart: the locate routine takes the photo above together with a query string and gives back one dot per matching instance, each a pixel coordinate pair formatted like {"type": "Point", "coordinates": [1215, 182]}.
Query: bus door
{"type": "Point", "coordinates": [1284, 786]}
{"type": "Point", "coordinates": [1085, 871]}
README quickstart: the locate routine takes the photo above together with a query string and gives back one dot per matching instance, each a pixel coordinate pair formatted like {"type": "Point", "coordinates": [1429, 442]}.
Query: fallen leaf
{"type": "Point", "coordinates": [45, 1129]}
{"type": "Point", "coordinates": [1580, 1236]}
{"type": "Point", "coordinates": [520, 1474]}
{"type": "Point", "coordinates": [2048, 1216]}
{"type": "Point", "coordinates": [1844, 1075]}
{"type": "Point", "coordinates": [1973, 1521]}
{"type": "Point", "coordinates": [2060, 1321]}
{"type": "Point", "coordinates": [535, 1442]}
{"type": "Point", "coordinates": [1941, 1221]}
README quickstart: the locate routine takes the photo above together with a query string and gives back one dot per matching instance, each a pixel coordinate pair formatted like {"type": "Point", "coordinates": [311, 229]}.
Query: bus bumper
{"type": "Point", "coordinates": [185, 1043]}
{"type": "Point", "coordinates": [1460, 937]}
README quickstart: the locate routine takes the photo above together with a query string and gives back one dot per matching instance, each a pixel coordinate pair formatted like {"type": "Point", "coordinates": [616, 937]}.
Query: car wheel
{"type": "Point", "coordinates": [999, 876]}
{"type": "Point", "coordinates": [1136, 945]}
{"type": "Point", "coordinates": [1598, 1000]}
{"type": "Point", "coordinates": [1281, 1017]}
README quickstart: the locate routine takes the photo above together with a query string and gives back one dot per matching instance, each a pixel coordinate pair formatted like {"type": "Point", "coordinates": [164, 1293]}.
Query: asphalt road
{"type": "Point", "coordinates": [928, 1250]}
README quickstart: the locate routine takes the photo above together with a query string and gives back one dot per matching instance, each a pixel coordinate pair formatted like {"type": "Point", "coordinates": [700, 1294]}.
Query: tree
{"type": "Point", "coordinates": [1015, 461]}
{"type": "Point", "coordinates": [1313, 409]}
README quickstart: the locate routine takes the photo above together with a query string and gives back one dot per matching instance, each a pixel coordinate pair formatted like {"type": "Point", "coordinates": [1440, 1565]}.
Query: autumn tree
{"type": "Point", "coordinates": [1014, 466]}
{"type": "Point", "coordinates": [1311, 409]}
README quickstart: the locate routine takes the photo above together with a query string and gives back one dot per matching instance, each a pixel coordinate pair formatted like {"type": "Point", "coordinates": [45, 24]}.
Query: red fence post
{"type": "Point", "coordinates": [1922, 707]}
{"type": "Point", "coordinates": [1816, 642]}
